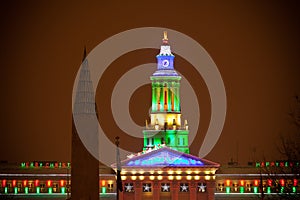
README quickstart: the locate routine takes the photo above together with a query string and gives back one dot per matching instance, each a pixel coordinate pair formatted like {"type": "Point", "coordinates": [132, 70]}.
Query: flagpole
{"type": "Point", "coordinates": [119, 181]}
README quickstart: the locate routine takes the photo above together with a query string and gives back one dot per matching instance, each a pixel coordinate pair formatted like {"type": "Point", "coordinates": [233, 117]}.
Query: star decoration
{"type": "Point", "coordinates": [184, 187]}
{"type": "Point", "coordinates": [147, 188]}
{"type": "Point", "coordinates": [128, 187]}
{"type": "Point", "coordinates": [202, 187]}
{"type": "Point", "coordinates": [165, 188]}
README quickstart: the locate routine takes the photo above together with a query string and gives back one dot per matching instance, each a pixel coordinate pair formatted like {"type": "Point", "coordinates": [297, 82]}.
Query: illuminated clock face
{"type": "Point", "coordinates": [165, 63]}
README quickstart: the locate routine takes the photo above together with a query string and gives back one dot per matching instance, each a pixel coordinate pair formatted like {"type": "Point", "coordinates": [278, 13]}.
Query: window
{"type": "Point", "coordinates": [184, 187]}
{"type": "Point", "coordinates": [147, 141]}
{"type": "Point", "coordinates": [147, 187]}
{"type": "Point", "coordinates": [165, 187]}
{"type": "Point", "coordinates": [162, 140]}
{"type": "Point", "coordinates": [169, 140]}
{"type": "Point", "coordinates": [221, 187]}
{"type": "Point", "coordinates": [128, 187]}
{"type": "Point", "coordinates": [110, 185]}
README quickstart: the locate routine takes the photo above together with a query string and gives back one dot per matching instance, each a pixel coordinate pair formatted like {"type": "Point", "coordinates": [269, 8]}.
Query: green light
{"type": "Point", "coordinates": [5, 190]}
{"type": "Point", "coordinates": [38, 190]}
{"type": "Point", "coordinates": [227, 190]}
{"type": "Point", "coordinates": [26, 190]}
{"type": "Point", "coordinates": [242, 189]}
{"type": "Point", "coordinates": [268, 190]}
{"type": "Point", "coordinates": [103, 190]}
{"type": "Point", "coordinates": [50, 190]}
{"type": "Point", "coordinates": [281, 189]}
{"type": "Point", "coordinates": [294, 189]}
{"type": "Point", "coordinates": [255, 189]}
{"type": "Point", "coordinates": [63, 190]}
{"type": "Point", "coordinates": [16, 190]}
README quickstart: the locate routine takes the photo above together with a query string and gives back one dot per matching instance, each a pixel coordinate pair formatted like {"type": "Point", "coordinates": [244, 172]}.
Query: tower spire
{"type": "Point", "coordinates": [84, 53]}
{"type": "Point", "coordinates": [165, 39]}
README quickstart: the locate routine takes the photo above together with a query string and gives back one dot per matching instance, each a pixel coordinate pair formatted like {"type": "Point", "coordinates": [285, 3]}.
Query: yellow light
{"type": "Point", "coordinates": [214, 177]}
{"type": "Point", "coordinates": [110, 182]}
{"type": "Point", "coordinates": [151, 177]}
{"type": "Point", "coordinates": [141, 171]}
{"type": "Point", "coordinates": [188, 171]}
{"type": "Point", "coordinates": [123, 172]}
{"type": "Point", "coordinates": [189, 177]}
{"type": "Point", "coordinates": [196, 171]}
{"type": "Point", "coordinates": [159, 177]}
{"type": "Point", "coordinates": [141, 177]}
{"type": "Point", "coordinates": [152, 172]}
{"type": "Point", "coordinates": [159, 172]}
{"type": "Point", "coordinates": [207, 172]}
{"type": "Point", "coordinates": [123, 178]}
{"type": "Point", "coordinates": [197, 177]}
{"type": "Point", "coordinates": [207, 177]}
{"type": "Point", "coordinates": [170, 177]}
{"type": "Point", "coordinates": [133, 177]}
{"type": "Point", "coordinates": [133, 172]}
{"type": "Point", "coordinates": [178, 171]}
{"type": "Point", "coordinates": [170, 172]}
{"type": "Point", "coordinates": [178, 177]}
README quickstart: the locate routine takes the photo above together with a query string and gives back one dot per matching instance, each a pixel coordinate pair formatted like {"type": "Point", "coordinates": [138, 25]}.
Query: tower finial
{"type": "Point", "coordinates": [165, 39]}
{"type": "Point", "coordinates": [84, 53]}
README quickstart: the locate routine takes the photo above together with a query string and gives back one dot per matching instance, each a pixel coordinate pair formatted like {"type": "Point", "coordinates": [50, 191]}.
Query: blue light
{"type": "Point", "coordinates": [166, 158]}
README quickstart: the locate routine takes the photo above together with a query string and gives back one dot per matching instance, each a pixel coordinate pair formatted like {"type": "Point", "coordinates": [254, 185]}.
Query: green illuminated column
{"type": "Point", "coordinates": [154, 106]}
{"type": "Point", "coordinates": [38, 190]}
{"type": "Point", "coordinates": [26, 190]}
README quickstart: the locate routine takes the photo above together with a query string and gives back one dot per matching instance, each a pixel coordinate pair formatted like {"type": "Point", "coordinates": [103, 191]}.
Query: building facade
{"type": "Point", "coordinates": [52, 180]}
{"type": "Point", "coordinates": [163, 170]}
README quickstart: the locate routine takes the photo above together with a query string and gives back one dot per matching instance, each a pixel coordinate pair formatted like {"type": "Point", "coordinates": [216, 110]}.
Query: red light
{"type": "Point", "coordinates": [36, 183]}
{"type": "Point", "coordinates": [256, 182]}
{"type": "Point", "coordinates": [269, 182]}
{"type": "Point", "coordinates": [282, 182]}
{"type": "Point", "coordinates": [4, 183]}
{"type": "Point", "coordinates": [14, 182]}
{"type": "Point", "coordinates": [49, 183]}
{"type": "Point", "coordinates": [103, 183]}
{"type": "Point", "coordinates": [242, 182]}
{"type": "Point", "coordinates": [25, 183]}
{"type": "Point", "coordinates": [62, 183]}
{"type": "Point", "coordinates": [295, 182]}
{"type": "Point", "coordinates": [228, 182]}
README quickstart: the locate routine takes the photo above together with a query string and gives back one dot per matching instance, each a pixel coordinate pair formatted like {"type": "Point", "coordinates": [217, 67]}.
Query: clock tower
{"type": "Point", "coordinates": [166, 127]}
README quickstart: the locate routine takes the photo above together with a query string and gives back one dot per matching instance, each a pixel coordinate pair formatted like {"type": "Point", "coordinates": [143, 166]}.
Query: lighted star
{"type": "Point", "coordinates": [184, 188]}
{"type": "Point", "coordinates": [147, 188]}
{"type": "Point", "coordinates": [165, 188]}
{"type": "Point", "coordinates": [128, 188]}
{"type": "Point", "coordinates": [201, 187]}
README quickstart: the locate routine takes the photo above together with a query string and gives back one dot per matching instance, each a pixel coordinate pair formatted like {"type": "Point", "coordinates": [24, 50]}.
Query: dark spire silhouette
{"type": "Point", "coordinates": [84, 53]}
